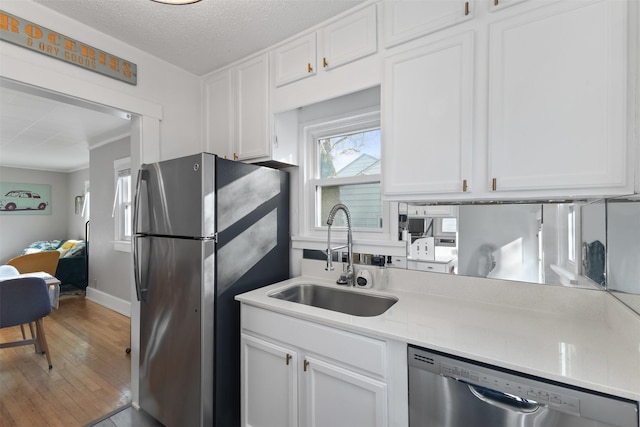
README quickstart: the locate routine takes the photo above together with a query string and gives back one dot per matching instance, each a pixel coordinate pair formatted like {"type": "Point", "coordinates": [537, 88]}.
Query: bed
{"type": "Point", "coordinates": [72, 264]}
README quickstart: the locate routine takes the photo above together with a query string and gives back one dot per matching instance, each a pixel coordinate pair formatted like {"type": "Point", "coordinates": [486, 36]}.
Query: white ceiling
{"type": "Point", "coordinates": [201, 37]}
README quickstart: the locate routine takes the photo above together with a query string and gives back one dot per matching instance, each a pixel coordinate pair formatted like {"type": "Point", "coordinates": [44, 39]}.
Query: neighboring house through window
{"type": "Point", "coordinates": [344, 167]}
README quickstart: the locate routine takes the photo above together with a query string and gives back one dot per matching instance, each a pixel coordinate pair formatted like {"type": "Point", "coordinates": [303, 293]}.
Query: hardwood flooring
{"type": "Point", "coordinates": [91, 369]}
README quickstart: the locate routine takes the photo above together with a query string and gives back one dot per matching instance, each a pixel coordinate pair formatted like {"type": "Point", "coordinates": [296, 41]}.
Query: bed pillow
{"type": "Point", "coordinates": [67, 246]}
{"type": "Point", "coordinates": [77, 250]}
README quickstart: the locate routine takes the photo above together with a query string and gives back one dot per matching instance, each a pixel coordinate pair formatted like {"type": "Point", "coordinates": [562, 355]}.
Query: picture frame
{"type": "Point", "coordinates": [25, 199]}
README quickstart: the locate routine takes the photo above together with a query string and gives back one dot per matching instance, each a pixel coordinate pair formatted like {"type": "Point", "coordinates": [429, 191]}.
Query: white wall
{"type": "Point", "coordinates": [75, 187]}
{"type": "Point", "coordinates": [18, 230]}
{"type": "Point", "coordinates": [109, 270]}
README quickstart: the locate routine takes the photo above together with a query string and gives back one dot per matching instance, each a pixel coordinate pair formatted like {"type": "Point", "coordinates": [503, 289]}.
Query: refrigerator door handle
{"type": "Point", "coordinates": [136, 268]}
{"type": "Point", "coordinates": [136, 201]}
{"type": "Point", "coordinates": [136, 264]}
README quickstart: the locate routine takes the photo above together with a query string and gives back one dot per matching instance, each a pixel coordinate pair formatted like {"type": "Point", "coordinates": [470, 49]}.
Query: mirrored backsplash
{"type": "Point", "coordinates": [588, 244]}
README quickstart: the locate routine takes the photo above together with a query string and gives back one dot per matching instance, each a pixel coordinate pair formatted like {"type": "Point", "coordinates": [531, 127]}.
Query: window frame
{"type": "Point", "coordinates": [311, 235]}
{"type": "Point", "coordinates": [121, 242]}
{"type": "Point", "coordinates": [316, 182]}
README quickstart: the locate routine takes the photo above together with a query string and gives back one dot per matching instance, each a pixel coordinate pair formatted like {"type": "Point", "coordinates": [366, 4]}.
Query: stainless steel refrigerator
{"type": "Point", "coordinates": [205, 230]}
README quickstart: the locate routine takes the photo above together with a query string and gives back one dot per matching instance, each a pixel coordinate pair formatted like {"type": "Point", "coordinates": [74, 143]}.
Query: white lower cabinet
{"type": "Point", "coordinates": [300, 373]}
{"type": "Point", "coordinates": [335, 396]}
{"type": "Point", "coordinates": [269, 384]}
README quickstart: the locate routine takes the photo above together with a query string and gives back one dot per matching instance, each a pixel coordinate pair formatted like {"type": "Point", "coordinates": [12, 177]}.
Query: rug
{"type": "Point", "coordinates": [70, 290]}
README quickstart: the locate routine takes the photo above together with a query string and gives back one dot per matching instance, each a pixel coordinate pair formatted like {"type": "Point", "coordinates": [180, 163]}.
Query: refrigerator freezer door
{"type": "Point", "coordinates": [176, 330]}
{"type": "Point", "coordinates": [177, 197]}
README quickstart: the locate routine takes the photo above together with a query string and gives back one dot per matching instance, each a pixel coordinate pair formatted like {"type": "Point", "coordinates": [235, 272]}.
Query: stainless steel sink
{"type": "Point", "coordinates": [335, 299]}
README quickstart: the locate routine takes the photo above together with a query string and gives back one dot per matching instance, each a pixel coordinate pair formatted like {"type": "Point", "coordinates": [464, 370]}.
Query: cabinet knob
{"type": "Point", "coordinates": [309, 67]}
{"type": "Point", "coordinates": [496, 2]}
{"type": "Point", "coordinates": [325, 64]}
{"type": "Point", "coordinates": [235, 156]}
{"type": "Point", "coordinates": [306, 363]}
{"type": "Point", "coordinates": [464, 185]}
{"type": "Point", "coordinates": [288, 358]}
{"type": "Point", "coordinates": [466, 8]}
{"type": "Point", "coordinates": [494, 184]}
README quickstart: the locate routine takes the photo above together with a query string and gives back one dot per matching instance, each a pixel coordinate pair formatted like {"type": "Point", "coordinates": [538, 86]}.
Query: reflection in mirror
{"type": "Point", "coordinates": [531, 242]}
{"type": "Point", "coordinates": [594, 236]}
{"type": "Point", "coordinates": [623, 249]}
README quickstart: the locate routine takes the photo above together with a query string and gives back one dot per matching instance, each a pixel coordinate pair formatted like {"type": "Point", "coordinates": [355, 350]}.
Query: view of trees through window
{"type": "Point", "coordinates": [349, 173]}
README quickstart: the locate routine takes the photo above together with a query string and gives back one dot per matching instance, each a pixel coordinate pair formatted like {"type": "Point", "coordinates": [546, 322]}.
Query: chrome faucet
{"type": "Point", "coordinates": [346, 277]}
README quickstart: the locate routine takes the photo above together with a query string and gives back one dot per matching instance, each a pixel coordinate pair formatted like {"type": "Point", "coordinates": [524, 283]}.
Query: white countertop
{"type": "Point", "coordinates": [581, 337]}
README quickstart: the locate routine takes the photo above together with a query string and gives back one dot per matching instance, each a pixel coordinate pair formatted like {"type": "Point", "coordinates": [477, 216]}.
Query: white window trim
{"type": "Point", "coordinates": [119, 244]}
{"type": "Point", "coordinates": [313, 237]}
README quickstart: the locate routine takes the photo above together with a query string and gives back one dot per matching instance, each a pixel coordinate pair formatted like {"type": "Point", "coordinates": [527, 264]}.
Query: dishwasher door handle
{"type": "Point", "coordinates": [502, 400]}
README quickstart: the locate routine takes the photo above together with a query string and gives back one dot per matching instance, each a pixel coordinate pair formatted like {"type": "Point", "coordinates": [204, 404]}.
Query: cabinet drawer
{"type": "Point", "coordinates": [427, 266]}
{"type": "Point", "coordinates": [347, 348]}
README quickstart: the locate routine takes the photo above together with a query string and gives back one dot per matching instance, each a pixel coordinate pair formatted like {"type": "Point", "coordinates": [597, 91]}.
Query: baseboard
{"type": "Point", "coordinates": [116, 304]}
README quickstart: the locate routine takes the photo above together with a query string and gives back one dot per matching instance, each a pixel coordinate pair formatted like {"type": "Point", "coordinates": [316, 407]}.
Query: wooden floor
{"type": "Point", "coordinates": [90, 375]}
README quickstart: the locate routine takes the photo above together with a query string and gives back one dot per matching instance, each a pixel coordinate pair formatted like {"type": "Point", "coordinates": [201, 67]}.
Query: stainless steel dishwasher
{"type": "Point", "coordinates": [447, 391]}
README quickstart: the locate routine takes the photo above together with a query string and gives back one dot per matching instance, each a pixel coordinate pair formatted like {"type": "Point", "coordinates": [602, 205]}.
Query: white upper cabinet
{"type": "Point", "coordinates": [529, 99]}
{"type": "Point", "coordinates": [253, 123]}
{"type": "Point", "coordinates": [427, 121]}
{"type": "Point", "coordinates": [237, 117]}
{"type": "Point", "coordinates": [410, 19]}
{"type": "Point", "coordinates": [219, 110]}
{"type": "Point", "coordinates": [350, 38]}
{"type": "Point", "coordinates": [296, 60]}
{"type": "Point", "coordinates": [343, 41]}
{"type": "Point", "coordinates": [558, 98]}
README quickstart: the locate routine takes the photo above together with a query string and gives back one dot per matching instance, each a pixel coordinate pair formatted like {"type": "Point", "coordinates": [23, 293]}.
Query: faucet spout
{"type": "Point", "coordinates": [346, 277]}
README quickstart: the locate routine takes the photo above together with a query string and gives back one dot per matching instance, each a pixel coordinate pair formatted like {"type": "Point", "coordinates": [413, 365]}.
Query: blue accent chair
{"type": "Point", "coordinates": [24, 300]}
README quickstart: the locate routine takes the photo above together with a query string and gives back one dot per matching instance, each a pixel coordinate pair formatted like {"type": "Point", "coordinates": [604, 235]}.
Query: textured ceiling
{"type": "Point", "coordinates": [204, 36]}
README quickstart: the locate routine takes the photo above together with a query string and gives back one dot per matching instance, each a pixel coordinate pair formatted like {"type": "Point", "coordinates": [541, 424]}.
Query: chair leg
{"type": "Point", "coordinates": [37, 346]}
{"type": "Point", "coordinates": [43, 340]}
{"type": "Point", "coordinates": [24, 337]}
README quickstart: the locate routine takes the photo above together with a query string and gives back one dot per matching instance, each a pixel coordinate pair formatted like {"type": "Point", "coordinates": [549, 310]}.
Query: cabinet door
{"type": "Point", "coordinates": [269, 384]}
{"type": "Point", "coordinates": [557, 98]}
{"type": "Point", "coordinates": [427, 119]}
{"type": "Point", "coordinates": [295, 60]}
{"type": "Point", "coordinates": [252, 85]}
{"type": "Point", "coordinates": [350, 38]}
{"type": "Point", "coordinates": [407, 20]}
{"type": "Point", "coordinates": [336, 397]}
{"type": "Point", "coordinates": [219, 114]}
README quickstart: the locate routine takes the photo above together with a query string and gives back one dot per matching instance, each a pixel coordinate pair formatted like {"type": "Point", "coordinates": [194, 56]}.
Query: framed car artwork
{"type": "Point", "coordinates": [17, 198]}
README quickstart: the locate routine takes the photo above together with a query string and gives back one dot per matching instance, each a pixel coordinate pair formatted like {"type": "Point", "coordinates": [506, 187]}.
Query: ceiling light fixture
{"type": "Point", "coordinates": [176, 1]}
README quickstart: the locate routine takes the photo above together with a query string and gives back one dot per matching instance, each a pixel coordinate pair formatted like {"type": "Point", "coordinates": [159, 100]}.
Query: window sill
{"type": "Point", "coordinates": [378, 247]}
{"type": "Point", "coordinates": [122, 245]}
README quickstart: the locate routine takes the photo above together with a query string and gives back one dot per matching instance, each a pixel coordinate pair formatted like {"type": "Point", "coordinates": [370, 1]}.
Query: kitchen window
{"type": "Point", "coordinates": [122, 209]}
{"type": "Point", "coordinates": [346, 169]}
